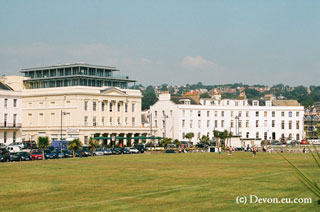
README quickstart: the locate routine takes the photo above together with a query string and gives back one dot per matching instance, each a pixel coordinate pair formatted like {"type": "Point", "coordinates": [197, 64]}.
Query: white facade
{"type": "Point", "coordinates": [251, 121]}
{"type": "Point", "coordinates": [10, 116]}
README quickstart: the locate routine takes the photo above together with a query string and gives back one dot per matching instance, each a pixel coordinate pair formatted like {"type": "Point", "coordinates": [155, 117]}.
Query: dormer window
{"type": "Point", "coordinates": [255, 103]}
{"type": "Point", "coordinates": [185, 101]}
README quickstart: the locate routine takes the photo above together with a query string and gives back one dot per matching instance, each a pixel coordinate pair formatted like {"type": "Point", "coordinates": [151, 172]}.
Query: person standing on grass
{"type": "Point", "coordinates": [220, 151]}
{"type": "Point", "coordinates": [254, 151]}
{"type": "Point", "coordinates": [230, 150]}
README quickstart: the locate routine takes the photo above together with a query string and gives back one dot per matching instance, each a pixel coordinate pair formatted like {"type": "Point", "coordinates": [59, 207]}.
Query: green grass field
{"type": "Point", "coordinates": [155, 182]}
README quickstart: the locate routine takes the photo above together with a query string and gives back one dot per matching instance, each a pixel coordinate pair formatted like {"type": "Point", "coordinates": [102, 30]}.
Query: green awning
{"type": "Point", "coordinates": [119, 137]}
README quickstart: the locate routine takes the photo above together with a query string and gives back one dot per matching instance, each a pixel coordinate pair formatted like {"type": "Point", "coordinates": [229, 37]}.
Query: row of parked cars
{"type": "Point", "coordinates": [8, 154]}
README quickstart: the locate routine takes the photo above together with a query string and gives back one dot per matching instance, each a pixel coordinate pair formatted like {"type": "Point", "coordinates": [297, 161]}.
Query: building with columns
{"type": "Point", "coordinates": [79, 101]}
{"type": "Point", "coordinates": [253, 120]}
{"type": "Point", "coordinates": [10, 114]}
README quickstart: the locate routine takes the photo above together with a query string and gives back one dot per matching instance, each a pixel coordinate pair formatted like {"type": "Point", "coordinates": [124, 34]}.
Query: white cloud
{"type": "Point", "coordinates": [197, 62]}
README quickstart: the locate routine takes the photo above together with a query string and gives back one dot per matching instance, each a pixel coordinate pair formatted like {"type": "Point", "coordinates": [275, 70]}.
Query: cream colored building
{"type": "Point", "coordinates": [78, 101]}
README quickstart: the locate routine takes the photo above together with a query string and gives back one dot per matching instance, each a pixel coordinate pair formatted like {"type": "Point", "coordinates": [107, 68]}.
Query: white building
{"type": "Point", "coordinates": [257, 120]}
{"type": "Point", "coordinates": [10, 114]}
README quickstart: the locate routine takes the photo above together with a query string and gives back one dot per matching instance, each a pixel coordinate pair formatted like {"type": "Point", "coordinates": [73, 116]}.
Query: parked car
{"type": "Point", "coordinates": [49, 155]}
{"type": "Point", "coordinates": [276, 143]}
{"type": "Point", "coordinates": [14, 149]}
{"type": "Point", "coordinates": [170, 151]}
{"type": "Point", "coordinates": [98, 152]}
{"type": "Point", "coordinates": [36, 155]}
{"type": "Point", "coordinates": [19, 144]}
{"type": "Point", "coordinates": [67, 153]}
{"type": "Point", "coordinates": [133, 150]}
{"type": "Point", "coordinates": [140, 147]}
{"type": "Point", "coordinates": [15, 156]}
{"type": "Point", "coordinates": [124, 150]}
{"type": "Point", "coordinates": [85, 153]}
{"type": "Point", "coordinates": [3, 150]}
{"type": "Point", "coordinates": [107, 151]}
{"type": "Point", "coordinates": [1, 158]}
{"type": "Point", "coordinates": [116, 151]}
{"type": "Point", "coordinates": [25, 156]}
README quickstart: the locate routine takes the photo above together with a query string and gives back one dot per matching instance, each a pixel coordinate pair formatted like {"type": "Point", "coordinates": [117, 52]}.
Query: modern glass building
{"type": "Point", "coordinates": [78, 74]}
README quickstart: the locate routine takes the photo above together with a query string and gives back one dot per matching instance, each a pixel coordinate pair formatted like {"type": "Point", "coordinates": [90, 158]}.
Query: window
{"type": "Point", "coordinates": [222, 123]}
{"type": "Point", "coordinates": [102, 120]}
{"type": "Point", "coordinates": [119, 107]}
{"type": "Point", "coordinates": [126, 107]}
{"type": "Point", "coordinates": [297, 125]}
{"type": "Point", "coordinates": [215, 113]}
{"type": "Point", "coordinates": [199, 123]}
{"type": "Point", "coordinates": [290, 114]}
{"type": "Point", "coordinates": [5, 102]}
{"type": "Point", "coordinates": [110, 120]}
{"type": "Point", "coordinates": [257, 123]}
{"type": "Point", "coordinates": [183, 123]}
{"type": "Point", "coordinates": [5, 137]}
{"type": "Point", "coordinates": [232, 113]}
{"type": "Point", "coordinates": [222, 113]}
{"type": "Point", "coordinates": [265, 135]}
{"type": "Point", "coordinates": [247, 124]}
{"type": "Point", "coordinates": [247, 113]}
{"type": "Point", "coordinates": [208, 123]}
{"type": "Point", "coordinates": [247, 134]}
{"type": "Point", "coordinates": [126, 121]}
{"type": "Point", "coordinates": [231, 124]}
{"type": "Point", "coordinates": [297, 114]}
{"type": "Point", "coordinates": [85, 139]}
{"type": "Point", "coordinates": [15, 120]}
{"type": "Point", "coordinates": [85, 105]}
{"type": "Point", "coordinates": [119, 123]}
{"type": "Point", "coordinates": [265, 123]}
{"type": "Point", "coordinates": [273, 114]}
{"type": "Point", "coordinates": [228, 102]}
{"type": "Point", "coordinates": [155, 123]}
{"type": "Point", "coordinates": [14, 135]}
{"type": "Point", "coordinates": [14, 102]}
{"type": "Point", "coordinates": [282, 114]}
{"type": "Point", "coordinates": [257, 113]}
{"type": "Point", "coordinates": [155, 113]}
{"type": "Point", "coordinates": [282, 125]}
{"type": "Point", "coordinates": [273, 123]}
{"type": "Point", "coordinates": [208, 113]}
{"type": "Point", "coordinates": [133, 121]}
{"type": "Point", "coordinates": [5, 119]}
{"type": "Point", "coordinates": [240, 123]}
{"type": "Point", "coordinates": [290, 125]}
{"type": "Point", "coordinates": [298, 136]}
{"type": "Point", "coordinates": [237, 103]}
{"type": "Point", "coordinates": [110, 106]}
{"type": "Point", "coordinates": [133, 107]}
{"type": "Point", "coordinates": [199, 113]}
{"type": "Point", "coordinates": [94, 121]}
{"type": "Point", "coordinates": [240, 114]}
{"type": "Point", "coordinates": [265, 114]}
{"type": "Point", "coordinates": [94, 106]}
{"type": "Point", "coordinates": [191, 123]}
{"type": "Point", "coordinates": [86, 121]}
{"type": "Point", "coordinates": [102, 106]}
{"type": "Point", "coordinates": [215, 123]}
{"type": "Point", "coordinates": [257, 135]}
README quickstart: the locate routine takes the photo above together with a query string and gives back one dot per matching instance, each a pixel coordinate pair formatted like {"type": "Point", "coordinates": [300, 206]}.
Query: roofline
{"type": "Point", "coordinates": [80, 76]}
{"type": "Point", "coordinates": [67, 66]}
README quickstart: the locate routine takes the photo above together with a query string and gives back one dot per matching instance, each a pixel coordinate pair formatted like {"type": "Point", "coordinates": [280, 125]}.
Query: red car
{"type": "Point", "coordinates": [36, 155]}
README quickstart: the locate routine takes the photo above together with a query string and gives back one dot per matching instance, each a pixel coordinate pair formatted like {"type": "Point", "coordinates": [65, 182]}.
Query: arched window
{"type": "Point", "coordinates": [298, 137]}
{"type": "Point", "coordinates": [265, 135]}
{"type": "Point", "coordinates": [247, 135]}
{"type": "Point", "coordinates": [290, 136]}
{"type": "Point", "coordinates": [183, 135]}
{"type": "Point", "coordinates": [257, 135]}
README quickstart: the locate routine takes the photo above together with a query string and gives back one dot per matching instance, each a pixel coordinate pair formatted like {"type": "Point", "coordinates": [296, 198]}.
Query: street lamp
{"type": "Point", "coordinates": [62, 113]}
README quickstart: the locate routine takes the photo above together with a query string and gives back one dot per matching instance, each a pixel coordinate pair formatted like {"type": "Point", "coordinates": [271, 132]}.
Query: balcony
{"type": "Point", "coordinates": [10, 125]}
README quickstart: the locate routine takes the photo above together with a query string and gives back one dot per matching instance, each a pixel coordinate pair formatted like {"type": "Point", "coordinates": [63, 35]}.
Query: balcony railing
{"type": "Point", "coordinates": [10, 125]}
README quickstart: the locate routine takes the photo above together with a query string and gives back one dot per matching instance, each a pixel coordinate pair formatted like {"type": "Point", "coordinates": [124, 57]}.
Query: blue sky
{"type": "Point", "coordinates": [174, 42]}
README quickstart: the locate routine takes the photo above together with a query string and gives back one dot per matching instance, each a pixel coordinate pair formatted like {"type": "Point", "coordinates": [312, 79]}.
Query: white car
{"type": "Point", "coordinates": [14, 149]}
{"type": "Point", "coordinates": [133, 150]}
{"type": "Point", "coordinates": [98, 152]}
{"type": "Point", "coordinates": [19, 144]}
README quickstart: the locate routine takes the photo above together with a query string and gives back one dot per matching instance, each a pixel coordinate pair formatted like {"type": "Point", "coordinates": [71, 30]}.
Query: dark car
{"type": "Point", "coordinates": [49, 154]}
{"type": "Point", "coordinates": [36, 155]}
{"type": "Point", "coordinates": [15, 157]}
{"type": "Point", "coordinates": [116, 151]}
{"type": "Point", "coordinates": [85, 153]}
{"type": "Point", "coordinates": [67, 153]}
{"type": "Point", "coordinates": [125, 150]}
{"type": "Point", "coordinates": [141, 148]}
{"type": "Point", "coordinates": [170, 151]}
{"type": "Point", "coordinates": [25, 156]}
{"type": "Point", "coordinates": [3, 150]}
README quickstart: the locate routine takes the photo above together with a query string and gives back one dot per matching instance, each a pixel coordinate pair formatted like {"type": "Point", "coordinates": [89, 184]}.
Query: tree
{"type": "Point", "coordinates": [43, 143]}
{"type": "Point", "coordinates": [74, 145]}
{"type": "Point", "coordinates": [189, 136]}
{"type": "Point", "coordinates": [204, 139]}
{"type": "Point", "coordinates": [177, 143]}
{"type": "Point", "coordinates": [221, 135]}
{"type": "Point", "coordinates": [205, 95]}
{"type": "Point", "coordinates": [165, 142]}
{"type": "Point", "coordinates": [93, 144]}
{"type": "Point", "coordinates": [148, 98]}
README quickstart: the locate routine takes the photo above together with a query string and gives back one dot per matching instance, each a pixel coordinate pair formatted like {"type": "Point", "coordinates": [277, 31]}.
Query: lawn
{"type": "Point", "coordinates": [155, 182]}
